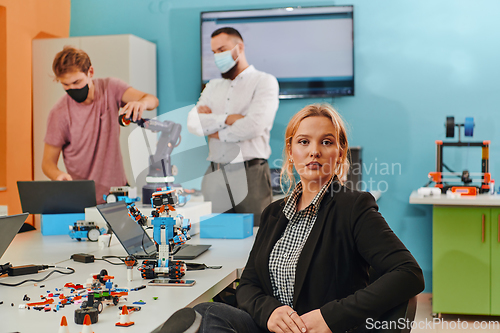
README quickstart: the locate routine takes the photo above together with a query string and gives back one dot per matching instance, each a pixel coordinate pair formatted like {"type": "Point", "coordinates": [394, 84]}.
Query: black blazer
{"type": "Point", "coordinates": [348, 237]}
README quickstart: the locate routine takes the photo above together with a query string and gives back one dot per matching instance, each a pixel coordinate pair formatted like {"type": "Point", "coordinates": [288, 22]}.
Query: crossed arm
{"type": "Point", "coordinates": [236, 127]}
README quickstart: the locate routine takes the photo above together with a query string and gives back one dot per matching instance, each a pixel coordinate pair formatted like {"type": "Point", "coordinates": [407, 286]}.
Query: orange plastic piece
{"type": "Point", "coordinates": [49, 301]}
{"type": "Point", "coordinates": [119, 293]}
{"type": "Point", "coordinates": [487, 177]}
{"type": "Point", "coordinates": [105, 277]}
{"type": "Point", "coordinates": [162, 192]}
{"type": "Point", "coordinates": [71, 285]}
{"type": "Point", "coordinates": [487, 142]}
{"type": "Point", "coordinates": [64, 322]}
{"type": "Point", "coordinates": [87, 322]}
{"type": "Point", "coordinates": [436, 176]}
{"type": "Point", "coordinates": [127, 323]}
{"type": "Point", "coordinates": [439, 142]}
{"type": "Point", "coordinates": [464, 190]}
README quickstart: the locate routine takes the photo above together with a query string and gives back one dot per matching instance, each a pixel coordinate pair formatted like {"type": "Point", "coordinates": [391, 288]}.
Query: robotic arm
{"type": "Point", "coordinates": [160, 167]}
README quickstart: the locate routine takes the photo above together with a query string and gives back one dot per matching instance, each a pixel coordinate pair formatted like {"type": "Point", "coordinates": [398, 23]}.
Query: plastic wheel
{"type": "Point", "coordinates": [93, 235]}
{"type": "Point", "coordinates": [111, 198]}
{"type": "Point", "coordinates": [84, 304]}
{"type": "Point", "coordinates": [116, 300]}
{"type": "Point", "coordinates": [78, 239]}
{"type": "Point", "coordinates": [98, 306]}
{"type": "Point", "coordinates": [469, 126]}
{"type": "Point", "coordinates": [450, 127]}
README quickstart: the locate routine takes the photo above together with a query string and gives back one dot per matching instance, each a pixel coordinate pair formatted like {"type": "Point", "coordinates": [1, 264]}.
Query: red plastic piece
{"type": "Point", "coordinates": [49, 301]}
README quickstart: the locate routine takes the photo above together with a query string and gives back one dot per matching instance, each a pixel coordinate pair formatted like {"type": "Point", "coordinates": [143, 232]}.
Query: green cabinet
{"type": "Point", "coordinates": [466, 260]}
{"type": "Point", "coordinates": [495, 261]}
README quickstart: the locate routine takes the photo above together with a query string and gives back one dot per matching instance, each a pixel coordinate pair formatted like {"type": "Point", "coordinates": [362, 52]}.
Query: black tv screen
{"type": "Point", "coordinates": [310, 50]}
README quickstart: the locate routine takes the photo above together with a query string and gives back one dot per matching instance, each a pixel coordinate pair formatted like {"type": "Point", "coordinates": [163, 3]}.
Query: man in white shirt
{"type": "Point", "coordinates": [237, 113]}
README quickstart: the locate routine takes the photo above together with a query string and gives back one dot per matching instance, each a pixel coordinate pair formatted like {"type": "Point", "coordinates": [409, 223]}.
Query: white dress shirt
{"type": "Point", "coordinates": [253, 94]}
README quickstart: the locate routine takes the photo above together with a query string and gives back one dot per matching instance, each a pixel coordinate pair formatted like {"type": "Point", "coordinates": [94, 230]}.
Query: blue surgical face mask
{"type": "Point", "coordinates": [224, 61]}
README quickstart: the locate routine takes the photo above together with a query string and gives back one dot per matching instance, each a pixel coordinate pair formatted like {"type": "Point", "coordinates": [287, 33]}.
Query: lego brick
{"type": "Point", "coordinates": [58, 224]}
{"type": "Point", "coordinates": [236, 226]}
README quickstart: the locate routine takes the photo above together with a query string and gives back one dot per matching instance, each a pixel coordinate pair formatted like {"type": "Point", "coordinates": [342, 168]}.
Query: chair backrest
{"type": "Point", "coordinates": [399, 319]}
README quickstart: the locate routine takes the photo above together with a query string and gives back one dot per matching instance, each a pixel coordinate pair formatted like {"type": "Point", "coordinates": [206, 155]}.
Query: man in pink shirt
{"type": "Point", "coordinates": [83, 124]}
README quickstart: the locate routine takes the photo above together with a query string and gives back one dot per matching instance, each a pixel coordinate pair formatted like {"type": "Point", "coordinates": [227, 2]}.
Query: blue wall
{"type": "Point", "coordinates": [415, 63]}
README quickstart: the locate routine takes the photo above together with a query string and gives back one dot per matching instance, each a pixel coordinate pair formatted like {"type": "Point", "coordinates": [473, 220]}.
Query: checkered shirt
{"type": "Point", "coordinates": [286, 252]}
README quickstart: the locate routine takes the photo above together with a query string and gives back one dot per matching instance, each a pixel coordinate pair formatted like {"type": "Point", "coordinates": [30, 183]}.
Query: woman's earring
{"type": "Point", "coordinates": [291, 160]}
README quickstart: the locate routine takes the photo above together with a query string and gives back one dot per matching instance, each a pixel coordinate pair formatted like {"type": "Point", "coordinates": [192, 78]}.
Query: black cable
{"type": "Point", "coordinates": [428, 183]}
{"type": "Point", "coordinates": [453, 172]}
{"type": "Point", "coordinates": [40, 280]}
{"type": "Point", "coordinates": [105, 258]}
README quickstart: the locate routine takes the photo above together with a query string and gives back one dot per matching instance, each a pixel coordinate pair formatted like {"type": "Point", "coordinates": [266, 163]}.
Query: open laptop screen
{"type": "Point", "coordinates": [9, 226]}
{"type": "Point", "coordinates": [56, 197]}
{"type": "Point", "coordinates": [130, 234]}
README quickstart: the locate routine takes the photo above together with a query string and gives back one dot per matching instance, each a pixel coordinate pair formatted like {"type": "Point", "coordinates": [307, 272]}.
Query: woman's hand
{"type": "Point", "coordinates": [284, 320]}
{"type": "Point", "coordinates": [315, 322]}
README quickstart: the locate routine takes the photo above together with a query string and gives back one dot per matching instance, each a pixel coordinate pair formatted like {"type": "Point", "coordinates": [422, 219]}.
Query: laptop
{"type": "Point", "coordinates": [9, 226]}
{"type": "Point", "coordinates": [56, 197]}
{"type": "Point", "coordinates": [134, 238]}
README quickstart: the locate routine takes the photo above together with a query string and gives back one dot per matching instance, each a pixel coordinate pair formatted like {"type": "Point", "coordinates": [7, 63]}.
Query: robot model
{"type": "Point", "coordinates": [169, 230]}
{"type": "Point", "coordinates": [83, 229]}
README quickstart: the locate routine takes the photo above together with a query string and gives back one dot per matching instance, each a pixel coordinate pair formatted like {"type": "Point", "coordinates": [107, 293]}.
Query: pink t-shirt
{"type": "Point", "coordinates": [89, 135]}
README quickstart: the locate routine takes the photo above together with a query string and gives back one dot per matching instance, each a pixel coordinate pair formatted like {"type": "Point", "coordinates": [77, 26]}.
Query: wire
{"type": "Point", "coordinates": [428, 183]}
{"type": "Point", "coordinates": [453, 172]}
{"type": "Point", "coordinates": [40, 280]}
{"type": "Point", "coordinates": [105, 258]}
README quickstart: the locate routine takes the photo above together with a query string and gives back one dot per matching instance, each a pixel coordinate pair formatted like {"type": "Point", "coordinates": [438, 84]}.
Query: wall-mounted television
{"type": "Point", "coordinates": [310, 50]}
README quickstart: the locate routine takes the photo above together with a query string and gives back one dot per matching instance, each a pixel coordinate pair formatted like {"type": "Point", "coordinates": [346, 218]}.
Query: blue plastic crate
{"type": "Point", "coordinates": [58, 224]}
{"type": "Point", "coordinates": [236, 226]}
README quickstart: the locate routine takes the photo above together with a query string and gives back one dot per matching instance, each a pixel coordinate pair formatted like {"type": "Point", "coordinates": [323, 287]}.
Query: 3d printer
{"type": "Point", "coordinates": [466, 187]}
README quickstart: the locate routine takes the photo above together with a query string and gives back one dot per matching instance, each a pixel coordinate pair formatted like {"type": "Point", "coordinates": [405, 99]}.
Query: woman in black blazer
{"type": "Point", "coordinates": [308, 268]}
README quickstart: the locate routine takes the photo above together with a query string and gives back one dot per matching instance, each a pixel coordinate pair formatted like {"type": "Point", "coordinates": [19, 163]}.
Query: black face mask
{"type": "Point", "coordinates": [79, 95]}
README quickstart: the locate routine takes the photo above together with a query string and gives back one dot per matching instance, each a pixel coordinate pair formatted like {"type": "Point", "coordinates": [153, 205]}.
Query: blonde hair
{"type": "Point", "coordinates": [287, 179]}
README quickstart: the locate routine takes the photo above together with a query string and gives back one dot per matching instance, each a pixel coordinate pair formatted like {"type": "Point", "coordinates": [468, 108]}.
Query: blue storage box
{"type": "Point", "coordinates": [58, 224]}
{"type": "Point", "coordinates": [235, 226]}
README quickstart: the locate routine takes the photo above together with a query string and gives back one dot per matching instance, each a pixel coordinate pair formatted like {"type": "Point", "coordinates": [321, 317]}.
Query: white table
{"type": "Point", "coordinates": [487, 200]}
{"type": "Point", "coordinates": [33, 248]}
